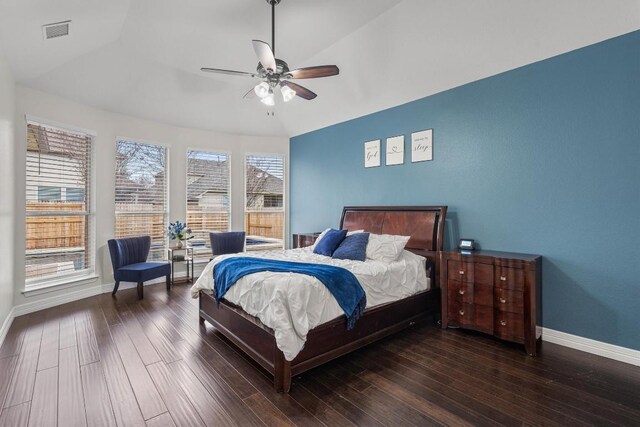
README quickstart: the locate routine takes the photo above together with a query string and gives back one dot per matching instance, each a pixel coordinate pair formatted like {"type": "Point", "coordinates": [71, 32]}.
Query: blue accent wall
{"type": "Point", "coordinates": [543, 159]}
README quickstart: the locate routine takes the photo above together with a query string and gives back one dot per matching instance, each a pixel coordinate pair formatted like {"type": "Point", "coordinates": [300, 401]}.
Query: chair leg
{"type": "Point", "coordinates": [115, 288]}
{"type": "Point", "coordinates": [168, 282]}
{"type": "Point", "coordinates": [140, 291]}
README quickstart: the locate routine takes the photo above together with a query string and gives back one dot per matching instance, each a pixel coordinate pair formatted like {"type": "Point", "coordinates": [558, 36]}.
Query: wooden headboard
{"type": "Point", "coordinates": [425, 225]}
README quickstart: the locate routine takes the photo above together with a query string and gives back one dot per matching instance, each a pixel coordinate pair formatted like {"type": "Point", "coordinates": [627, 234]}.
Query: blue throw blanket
{"type": "Point", "coordinates": [342, 284]}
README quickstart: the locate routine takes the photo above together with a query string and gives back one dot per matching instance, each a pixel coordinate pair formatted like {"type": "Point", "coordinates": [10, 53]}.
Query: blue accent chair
{"type": "Point", "coordinates": [129, 261]}
{"type": "Point", "coordinates": [230, 242]}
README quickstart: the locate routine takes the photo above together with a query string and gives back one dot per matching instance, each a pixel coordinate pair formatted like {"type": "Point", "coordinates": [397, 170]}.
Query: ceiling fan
{"type": "Point", "coordinates": [275, 73]}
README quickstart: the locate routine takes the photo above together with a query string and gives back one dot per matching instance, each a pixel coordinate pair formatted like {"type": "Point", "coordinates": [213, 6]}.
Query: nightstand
{"type": "Point", "coordinates": [181, 255]}
{"type": "Point", "coordinates": [302, 240]}
{"type": "Point", "coordinates": [497, 293]}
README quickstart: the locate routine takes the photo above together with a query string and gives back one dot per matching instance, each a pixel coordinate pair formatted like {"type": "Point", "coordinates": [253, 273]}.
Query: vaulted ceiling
{"type": "Point", "coordinates": [142, 57]}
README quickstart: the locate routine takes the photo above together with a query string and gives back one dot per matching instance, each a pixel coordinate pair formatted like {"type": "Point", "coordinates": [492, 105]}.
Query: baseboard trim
{"type": "Point", "coordinates": [8, 321]}
{"type": "Point", "coordinates": [31, 307]}
{"type": "Point", "coordinates": [599, 348]}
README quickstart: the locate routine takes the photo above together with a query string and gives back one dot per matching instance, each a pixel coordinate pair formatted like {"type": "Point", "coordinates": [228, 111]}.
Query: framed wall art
{"type": "Point", "coordinates": [395, 150]}
{"type": "Point", "coordinates": [422, 146]}
{"type": "Point", "coordinates": [372, 154]}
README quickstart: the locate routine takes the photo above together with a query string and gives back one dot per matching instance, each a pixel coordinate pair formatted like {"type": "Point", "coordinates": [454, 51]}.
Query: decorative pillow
{"type": "Point", "coordinates": [386, 247]}
{"type": "Point", "coordinates": [330, 242]}
{"type": "Point", "coordinates": [324, 233]}
{"type": "Point", "coordinates": [353, 247]}
{"type": "Point", "coordinates": [320, 237]}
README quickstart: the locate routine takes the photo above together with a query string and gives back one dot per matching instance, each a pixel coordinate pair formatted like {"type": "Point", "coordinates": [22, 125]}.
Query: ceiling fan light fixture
{"type": "Point", "coordinates": [262, 89]}
{"type": "Point", "coordinates": [269, 99]}
{"type": "Point", "coordinates": [275, 72]}
{"type": "Point", "coordinates": [287, 93]}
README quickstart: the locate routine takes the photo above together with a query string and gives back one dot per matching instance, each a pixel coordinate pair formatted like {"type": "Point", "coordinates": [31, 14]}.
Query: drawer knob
{"type": "Point", "coordinates": [461, 271]}
{"type": "Point", "coordinates": [461, 312]}
{"type": "Point", "coordinates": [503, 278]}
{"type": "Point", "coordinates": [503, 300]}
{"type": "Point", "coordinates": [503, 322]}
{"type": "Point", "coordinates": [461, 291]}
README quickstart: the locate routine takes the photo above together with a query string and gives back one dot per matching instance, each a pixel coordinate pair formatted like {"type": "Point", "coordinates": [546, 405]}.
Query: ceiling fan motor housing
{"type": "Point", "coordinates": [282, 69]}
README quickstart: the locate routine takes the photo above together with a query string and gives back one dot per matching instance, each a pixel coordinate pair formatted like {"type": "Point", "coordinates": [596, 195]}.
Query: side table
{"type": "Point", "coordinates": [181, 255]}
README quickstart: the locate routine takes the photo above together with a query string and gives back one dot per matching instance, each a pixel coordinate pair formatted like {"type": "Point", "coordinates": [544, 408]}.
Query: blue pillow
{"type": "Point", "coordinates": [354, 247]}
{"type": "Point", "coordinates": [330, 242]}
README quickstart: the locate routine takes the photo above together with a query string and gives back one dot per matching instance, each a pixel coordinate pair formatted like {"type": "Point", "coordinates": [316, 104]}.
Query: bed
{"type": "Point", "coordinates": [329, 340]}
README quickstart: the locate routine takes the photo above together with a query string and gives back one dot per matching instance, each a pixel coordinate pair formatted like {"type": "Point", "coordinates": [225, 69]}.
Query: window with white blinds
{"type": "Point", "coordinates": [59, 217]}
{"type": "Point", "coordinates": [208, 208]}
{"type": "Point", "coordinates": [141, 193]}
{"type": "Point", "coordinates": [264, 201]}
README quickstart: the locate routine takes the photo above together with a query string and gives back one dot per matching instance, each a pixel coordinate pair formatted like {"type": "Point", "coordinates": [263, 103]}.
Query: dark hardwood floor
{"type": "Point", "coordinates": [103, 361]}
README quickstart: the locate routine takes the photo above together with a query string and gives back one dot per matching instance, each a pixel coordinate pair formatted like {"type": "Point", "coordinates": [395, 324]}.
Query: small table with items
{"type": "Point", "coordinates": [181, 255]}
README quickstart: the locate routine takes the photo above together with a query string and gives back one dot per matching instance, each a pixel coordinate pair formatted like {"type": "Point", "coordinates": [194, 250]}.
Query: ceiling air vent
{"type": "Point", "coordinates": [57, 29]}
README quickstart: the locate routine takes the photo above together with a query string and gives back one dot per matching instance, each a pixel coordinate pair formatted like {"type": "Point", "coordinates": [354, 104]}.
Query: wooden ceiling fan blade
{"type": "Point", "coordinates": [301, 91]}
{"type": "Point", "coordinates": [265, 55]}
{"type": "Point", "coordinates": [228, 72]}
{"type": "Point", "coordinates": [314, 72]}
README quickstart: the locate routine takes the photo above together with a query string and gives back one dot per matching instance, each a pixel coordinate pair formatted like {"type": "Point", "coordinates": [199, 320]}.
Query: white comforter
{"type": "Point", "coordinates": [292, 304]}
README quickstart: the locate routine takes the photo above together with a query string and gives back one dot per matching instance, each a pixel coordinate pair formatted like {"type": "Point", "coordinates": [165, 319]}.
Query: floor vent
{"type": "Point", "coordinates": [58, 29]}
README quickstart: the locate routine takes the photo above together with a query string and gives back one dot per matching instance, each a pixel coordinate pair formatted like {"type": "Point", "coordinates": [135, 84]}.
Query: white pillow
{"type": "Point", "coordinates": [385, 247]}
{"type": "Point", "coordinates": [350, 233]}
{"type": "Point", "coordinates": [325, 232]}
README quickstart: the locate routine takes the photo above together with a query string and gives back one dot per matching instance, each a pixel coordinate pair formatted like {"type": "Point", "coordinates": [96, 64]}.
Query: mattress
{"type": "Point", "coordinates": [292, 304]}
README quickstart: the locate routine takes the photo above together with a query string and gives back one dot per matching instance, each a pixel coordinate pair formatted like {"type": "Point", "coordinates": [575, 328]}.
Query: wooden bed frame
{"type": "Point", "coordinates": [425, 225]}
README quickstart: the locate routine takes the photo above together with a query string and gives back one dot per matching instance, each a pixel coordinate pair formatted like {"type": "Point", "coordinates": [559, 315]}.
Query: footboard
{"type": "Point", "coordinates": [324, 343]}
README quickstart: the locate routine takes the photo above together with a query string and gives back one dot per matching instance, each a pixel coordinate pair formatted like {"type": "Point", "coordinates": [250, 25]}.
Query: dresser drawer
{"type": "Point", "coordinates": [470, 272]}
{"type": "Point", "coordinates": [483, 318]}
{"type": "Point", "coordinates": [471, 316]}
{"type": "Point", "coordinates": [460, 291]}
{"type": "Point", "coordinates": [509, 326]}
{"type": "Point", "coordinates": [510, 278]}
{"type": "Point", "coordinates": [483, 294]}
{"type": "Point", "coordinates": [508, 300]}
{"type": "Point", "coordinates": [461, 313]}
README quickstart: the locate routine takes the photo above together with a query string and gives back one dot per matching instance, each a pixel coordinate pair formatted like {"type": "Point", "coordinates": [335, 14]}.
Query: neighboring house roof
{"type": "Point", "coordinates": [52, 141]}
{"type": "Point", "coordinates": [213, 178]}
{"type": "Point", "coordinates": [263, 182]}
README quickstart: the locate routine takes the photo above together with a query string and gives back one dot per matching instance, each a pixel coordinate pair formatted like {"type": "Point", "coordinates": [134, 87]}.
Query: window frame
{"type": "Point", "coordinates": [167, 208]}
{"type": "Point", "coordinates": [229, 189]}
{"type": "Point", "coordinates": [42, 284]}
{"type": "Point", "coordinates": [284, 190]}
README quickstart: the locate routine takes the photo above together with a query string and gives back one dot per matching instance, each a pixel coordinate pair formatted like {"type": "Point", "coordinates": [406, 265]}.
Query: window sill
{"type": "Point", "coordinates": [57, 285]}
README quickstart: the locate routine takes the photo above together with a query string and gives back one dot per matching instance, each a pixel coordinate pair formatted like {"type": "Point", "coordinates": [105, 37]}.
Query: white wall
{"type": "Point", "coordinates": [7, 206]}
{"type": "Point", "coordinates": [108, 127]}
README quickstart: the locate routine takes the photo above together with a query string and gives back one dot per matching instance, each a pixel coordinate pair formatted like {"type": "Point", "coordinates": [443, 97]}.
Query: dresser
{"type": "Point", "coordinates": [497, 293]}
{"type": "Point", "coordinates": [302, 240]}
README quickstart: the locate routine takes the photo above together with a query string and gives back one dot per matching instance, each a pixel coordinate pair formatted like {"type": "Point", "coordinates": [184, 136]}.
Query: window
{"type": "Point", "coordinates": [59, 231]}
{"type": "Point", "coordinates": [264, 195]}
{"type": "Point", "coordinates": [141, 193]}
{"type": "Point", "coordinates": [207, 198]}
{"type": "Point", "coordinates": [49, 194]}
{"type": "Point", "coordinates": [74, 194]}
